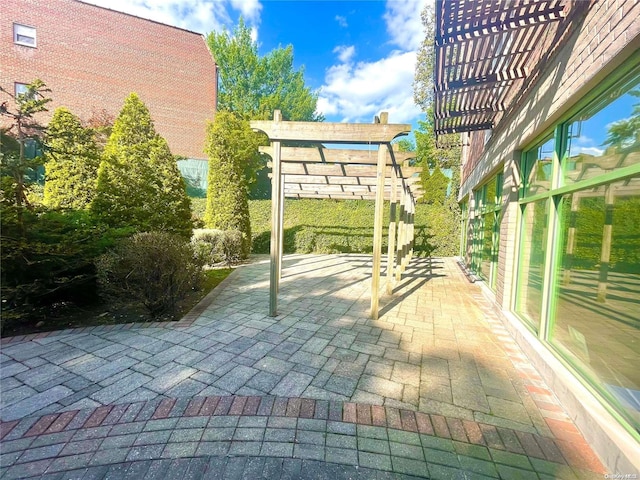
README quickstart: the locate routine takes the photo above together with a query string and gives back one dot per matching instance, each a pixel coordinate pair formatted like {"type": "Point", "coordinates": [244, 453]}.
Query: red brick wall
{"type": "Point", "coordinates": [92, 58]}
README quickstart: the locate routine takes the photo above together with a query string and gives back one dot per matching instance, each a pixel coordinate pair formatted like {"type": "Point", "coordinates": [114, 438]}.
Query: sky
{"type": "Point", "coordinates": [358, 55]}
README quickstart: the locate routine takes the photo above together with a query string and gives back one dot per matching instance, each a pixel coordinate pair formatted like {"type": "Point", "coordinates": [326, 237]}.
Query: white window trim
{"type": "Point", "coordinates": [24, 31]}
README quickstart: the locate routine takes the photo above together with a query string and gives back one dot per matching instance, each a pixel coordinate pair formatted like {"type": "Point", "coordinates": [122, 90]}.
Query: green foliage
{"type": "Point", "coordinates": [329, 226]}
{"type": "Point", "coordinates": [230, 145]}
{"type": "Point", "coordinates": [156, 268]}
{"type": "Point", "coordinates": [217, 246]}
{"type": "Point", "coordinates": [17, 168]}
{"type": "Point", "coordinates": [71, 162]}
{"type": "Point", "coordinates": [52, 261]}
{"type": "Point", "coordinates": [625, 134]}
{"type": "Point", "coordinates": [139, 184]}
{"type": "Point", "coordinates": [435, 187]}
{"type": "Point", "coordinates": [254, 86]}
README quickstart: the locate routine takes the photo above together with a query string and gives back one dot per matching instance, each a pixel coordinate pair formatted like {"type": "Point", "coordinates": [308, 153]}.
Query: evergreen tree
{"type": "Point", "coordinates": [230, 145]}
{"type": "Point", "coordinates": [435, 188]}
{"type": "Point", "coordinates": [139, 184]}
{"type": "Point", "coordinates": [72, 161]}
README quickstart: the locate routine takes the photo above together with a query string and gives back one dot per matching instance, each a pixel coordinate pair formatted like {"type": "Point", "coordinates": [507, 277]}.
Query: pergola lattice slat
{"type": "Point", "coordinates": [484, 50]}
{"type": "Point", "coordinates": [342, 174]}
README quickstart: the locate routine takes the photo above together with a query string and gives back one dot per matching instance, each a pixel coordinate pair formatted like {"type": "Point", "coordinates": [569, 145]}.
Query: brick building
{"type": "Point", "coordinates": [92, 58]}
{"type": "Point", "coordinates": [546, 97]}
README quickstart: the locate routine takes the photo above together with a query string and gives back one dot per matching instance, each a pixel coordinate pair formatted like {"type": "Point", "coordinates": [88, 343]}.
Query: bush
{"type": "Point", "coordinates": [139, 184]}
{"type": "Point", "coordinates": [329, 226]}
{"type": "Point", "coordinates": [156, 268]}
{"type": "Point", "coordinates": [217, 246]}
{"type": "Point", "coordinates": [71, 162]}
{"type": "Point", "coordinates": [230, 145]}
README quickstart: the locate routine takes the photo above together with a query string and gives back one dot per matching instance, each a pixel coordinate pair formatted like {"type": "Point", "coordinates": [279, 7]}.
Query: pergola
{"type": "Point", "coordinates": [314, 171]}
{"type": "Point", "coordinates": [485, 52]}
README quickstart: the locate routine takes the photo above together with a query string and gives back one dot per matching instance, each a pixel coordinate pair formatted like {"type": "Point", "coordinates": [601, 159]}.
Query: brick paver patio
{"type": "Point", "coordinates": [435, 388]}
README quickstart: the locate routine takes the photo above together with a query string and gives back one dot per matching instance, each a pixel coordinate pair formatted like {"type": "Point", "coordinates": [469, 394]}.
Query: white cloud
{"type": "Point", "coordinates": [345, 53]}
{"type": "Point", "coordinates": [342, 21]}
{"type": "Point", "coordinates": [358, 91]}
{"type": "Point", "coordinates": [595, 151]}
{"type": "Point", "coordinates": [404, 24]}
{"type": "Point", "coordinates": [250, 9]}
{"type": "Point", "coordinates": [201, 16]}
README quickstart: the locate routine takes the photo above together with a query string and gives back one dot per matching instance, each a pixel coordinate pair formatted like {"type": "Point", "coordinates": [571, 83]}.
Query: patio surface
{"type": "Point", "coordinates": [435, 388]}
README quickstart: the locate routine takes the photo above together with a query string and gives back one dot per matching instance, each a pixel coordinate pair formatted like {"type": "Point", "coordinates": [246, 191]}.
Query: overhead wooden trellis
{"type": "Point", "coordinates": [484, 50]}
{"type": "Point", "coordinates": [319, 172]}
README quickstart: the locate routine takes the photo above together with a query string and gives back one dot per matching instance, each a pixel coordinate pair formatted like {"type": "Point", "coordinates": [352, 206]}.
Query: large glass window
{"type": "Point", "coordinates": [597, 301]}
{"type": "Point", "coordinates": [538, 168]}
{"type": "Point", "coordinates": [580, 287]}
{"type": "Point", "coordinates": [532, 260]}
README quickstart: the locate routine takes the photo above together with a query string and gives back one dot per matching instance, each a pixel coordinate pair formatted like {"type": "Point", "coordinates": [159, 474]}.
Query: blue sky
{"type": "Point", "coordinates": [359, 55]}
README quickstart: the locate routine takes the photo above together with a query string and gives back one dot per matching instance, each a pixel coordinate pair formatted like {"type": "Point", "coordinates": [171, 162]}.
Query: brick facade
{"type": "Point", "coordinates": [92, 58]}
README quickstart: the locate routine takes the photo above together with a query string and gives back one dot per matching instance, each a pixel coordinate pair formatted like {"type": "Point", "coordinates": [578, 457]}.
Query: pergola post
{"type": "Point", "coordinates": [276, 225]}
{"type": "Point", "coordinates": [412, 211]}
{"type": "Point", "coordinates": [377, 230]}
{"type": "Point", "coordinates": [407, 231]}
{"type": "Point", "coordinates": [392, 230]}
{"type": "Point", "coordinates": [401, 231]}
{"type": "Point", "coordinates": [605, 253]}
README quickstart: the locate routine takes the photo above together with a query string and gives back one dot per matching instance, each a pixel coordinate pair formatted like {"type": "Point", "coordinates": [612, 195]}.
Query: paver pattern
{"type": "Point", "coordinates": [435, 388]}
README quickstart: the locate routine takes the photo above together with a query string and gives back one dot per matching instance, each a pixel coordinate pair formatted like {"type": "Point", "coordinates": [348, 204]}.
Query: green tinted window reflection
{"type": "Point", "coordinates": [605, 137]}
{"type": "Point", "coordinates": [538, 168]}
{"type": "Point", "coordinates": [531, 265]}
{"type": "Point", "coordinates": [596, 319]}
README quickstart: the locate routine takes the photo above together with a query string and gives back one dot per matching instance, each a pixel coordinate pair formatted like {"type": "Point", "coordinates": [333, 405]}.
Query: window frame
{"type": "Point", "coordinates": [26, 29]}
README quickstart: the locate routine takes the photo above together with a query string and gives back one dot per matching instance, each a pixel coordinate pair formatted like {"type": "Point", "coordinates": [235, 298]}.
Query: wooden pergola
{"type": "Point", "coordinates": [345, 174]}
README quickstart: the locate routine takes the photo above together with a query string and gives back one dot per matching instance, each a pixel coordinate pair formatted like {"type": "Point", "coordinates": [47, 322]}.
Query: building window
{"type": "Point", "coordinates": [578, 283]}
{"type": "Point", "coordinates": [485, 230]}
{"type": "Point", "coordinates": [24, 35]}
{"type": "Point", "coordinates": [20, 88]}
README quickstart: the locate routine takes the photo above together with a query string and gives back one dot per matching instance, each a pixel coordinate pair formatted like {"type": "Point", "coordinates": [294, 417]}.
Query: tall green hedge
{"type": "Point", "coordinates": [71, 162]}
{"type": "Point", "coordinates": [139, 184]}
{"type": "Point", "coordinates": [336, 226]}
{"type": "Point", "coordinates": [230, 145]}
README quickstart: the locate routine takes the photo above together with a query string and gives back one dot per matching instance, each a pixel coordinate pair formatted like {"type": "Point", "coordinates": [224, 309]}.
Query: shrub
{"type": "Point", "coordinates": [71, 162]}
{"type": "Point", "coordinates": [217, 246]}
{"type": "Point", "coordinates": [139, 184]}
{"type": "Point", "coordinates": [328, 226]}
{"type": "Point", "coordinates": [156, 268]}
{"type": "Point", "coordinates": [230, 145]}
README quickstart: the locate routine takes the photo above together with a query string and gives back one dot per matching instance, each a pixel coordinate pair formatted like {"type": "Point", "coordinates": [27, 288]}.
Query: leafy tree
{"type": "Point", "coordinates": [139, 184]}
{"type": "Point", "coordinates": [254, 86]}
{"type": "Point", "coordinates": [72, 162]}
{"type": "Point", "coordinates": [230, 142]}
{"type": "Point", "coordinates": [625, 134]}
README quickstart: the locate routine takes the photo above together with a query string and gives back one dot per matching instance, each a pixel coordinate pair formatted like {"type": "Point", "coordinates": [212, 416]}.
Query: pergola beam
{"type": "Point", "coordinates": [326, 132]}
{"type": "Point", "coordinates": [316, 155]}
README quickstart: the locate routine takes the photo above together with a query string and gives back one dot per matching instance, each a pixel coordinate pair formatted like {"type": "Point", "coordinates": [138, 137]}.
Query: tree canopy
{"type": "Point", "coordinates": [139, 184]}
{"type": "Point", "coordinates": [253, 86]}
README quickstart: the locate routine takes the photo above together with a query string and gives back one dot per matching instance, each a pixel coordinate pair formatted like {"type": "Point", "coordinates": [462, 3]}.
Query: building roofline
{"type": "Point", "coordinates": [141, 18]}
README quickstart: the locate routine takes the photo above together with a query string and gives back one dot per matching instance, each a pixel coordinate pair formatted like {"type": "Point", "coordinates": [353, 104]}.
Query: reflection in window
{"type": "Point", "coordinates": [604, 137]}
{"type": "Point", "coordinates": [597, 324]}
{"type": "Point", "coordinates": [538, 168]}
{"type": "Point", "coordinates": [531, 265]}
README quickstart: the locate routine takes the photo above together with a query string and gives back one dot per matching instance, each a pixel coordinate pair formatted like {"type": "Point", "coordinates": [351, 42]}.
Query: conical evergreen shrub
{"type": "Point", "coordinates": [139, 184]}
{"type": "Point", "coordinates": [230, 145]}
{"type": "Point", "coordinates": [71, 162]}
